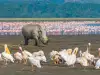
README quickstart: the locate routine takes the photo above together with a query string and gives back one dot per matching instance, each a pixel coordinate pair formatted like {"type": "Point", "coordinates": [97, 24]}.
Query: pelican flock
{"type": "Point", "coordinates": [68, 57]}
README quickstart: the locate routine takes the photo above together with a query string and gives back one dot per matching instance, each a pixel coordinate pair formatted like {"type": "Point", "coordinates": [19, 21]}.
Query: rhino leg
{"type": "Point", "coordinates": [36, 41]}
{"type": "Point", "coordinates": [26, 41]}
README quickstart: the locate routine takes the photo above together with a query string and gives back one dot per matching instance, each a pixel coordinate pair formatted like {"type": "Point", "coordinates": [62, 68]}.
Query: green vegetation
{"type": "Point", "coordinates": [42, 9]}
{"type": "Point", "coordinates": [48, 19]}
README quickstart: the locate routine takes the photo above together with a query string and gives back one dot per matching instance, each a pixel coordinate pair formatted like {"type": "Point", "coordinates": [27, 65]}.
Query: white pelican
{"type": "Point", "coordinates": [1, 59]}
{"type": "Point", "coordinates": [22, 55]}
{"type": "Point", "coordinates": [65, 52]}
{"type": "Point", "coordinates": [6, 55]}
{"type": "Point", "coordinates": [39, 53]}
{"type": "Point", "coordinates": [55, 57]}
{"type": "Point", "coordinates": [99, 51]}
{"type": "Point", "coordinates": [52, 54]}
{"type": "Point", "coordinates": [18, 57]}
{"type": "Point", "coordinates": [25, 57]}
{"type": "Point", "coordinates": [87, 54]}
{"type": "Point", "coordinates": [89, 47]}
{"type": "Point", "coordinates": [35, 61]}
{"type": "Point", "coordinates": [97, 64]}
{"type": "Point", "coordinates": [82, 60]}
{"type": "Point", "coordinates": [27, 53]}
{"type": "Point", "coordinates": [71, 59]}
{"type": "Point", "coordinates": [41, 58]}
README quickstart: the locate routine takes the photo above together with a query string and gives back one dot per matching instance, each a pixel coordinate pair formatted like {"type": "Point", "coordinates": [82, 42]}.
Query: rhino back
{"type": "Point", "coordinates": [30, 30]}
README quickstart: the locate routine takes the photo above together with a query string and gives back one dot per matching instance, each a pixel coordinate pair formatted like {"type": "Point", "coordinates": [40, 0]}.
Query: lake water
{"type": "Point", "coordinates": [93, 24]}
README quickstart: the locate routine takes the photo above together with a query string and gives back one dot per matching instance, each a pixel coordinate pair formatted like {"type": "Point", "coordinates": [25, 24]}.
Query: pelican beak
{"type": "Point", "coordinates": [89, 44]}
{"type": "Point", "coordinates": [76, 50]}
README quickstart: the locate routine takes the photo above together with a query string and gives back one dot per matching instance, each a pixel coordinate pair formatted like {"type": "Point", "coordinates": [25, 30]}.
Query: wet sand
{"type": "Point", "coordinates": [55, 43]}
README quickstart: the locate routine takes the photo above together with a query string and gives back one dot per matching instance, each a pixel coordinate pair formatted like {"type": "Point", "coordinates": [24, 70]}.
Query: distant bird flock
{"type": "Point", "coordinates": [54, 27]}
{"type": "Point", "coordinates": [68, 57]}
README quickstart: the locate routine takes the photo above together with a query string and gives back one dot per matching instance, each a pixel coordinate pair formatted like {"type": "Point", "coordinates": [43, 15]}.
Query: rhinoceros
{"type": "Point", "coordinates": [36, 32]}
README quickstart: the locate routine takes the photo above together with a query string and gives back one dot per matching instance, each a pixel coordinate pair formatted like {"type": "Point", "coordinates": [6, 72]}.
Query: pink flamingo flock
{"type": "Point", "coordinates": [54, 27]}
